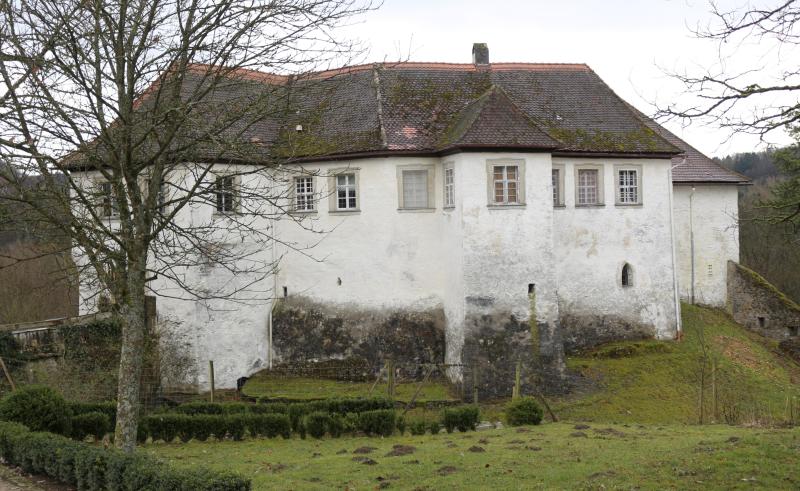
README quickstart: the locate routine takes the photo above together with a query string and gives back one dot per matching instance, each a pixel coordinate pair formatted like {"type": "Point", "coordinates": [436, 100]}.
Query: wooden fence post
{"type": "Point", "coordinates": [211, 377]}
{"type": "Point", "coordinates": [390, 378]}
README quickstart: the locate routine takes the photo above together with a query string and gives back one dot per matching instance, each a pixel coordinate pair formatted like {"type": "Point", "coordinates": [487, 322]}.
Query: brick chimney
{"type": "Point", "coordinates": [480, 54]}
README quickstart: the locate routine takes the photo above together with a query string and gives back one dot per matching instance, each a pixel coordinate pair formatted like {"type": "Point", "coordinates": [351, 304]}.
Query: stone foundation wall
{"type": "Point", "coordinates": [759, 306]}
{"type": "Point", "coordinates": [304, 330]}
{"type": "Point", "coordinates": [580, 332]}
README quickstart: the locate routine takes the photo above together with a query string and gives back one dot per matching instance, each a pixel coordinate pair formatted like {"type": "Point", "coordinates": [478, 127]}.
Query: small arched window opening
{"type": "Point", "coordinates": [627, 275]}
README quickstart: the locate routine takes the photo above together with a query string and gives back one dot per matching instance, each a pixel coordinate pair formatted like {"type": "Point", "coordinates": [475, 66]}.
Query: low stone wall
{"type": "Point", "coordinates": [304, 330]}
{"type": "Point", "coordinates": [580, 332]}
{"type": "Point", "coordinates": [759, 306]}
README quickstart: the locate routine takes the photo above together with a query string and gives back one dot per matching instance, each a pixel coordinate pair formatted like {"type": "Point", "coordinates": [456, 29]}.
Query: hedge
{"type": "Point", "coordinates": [94, 424]}
{"type": "Point", "coordinates": [94, 468]}
{"type": "Point", "coordinates": [37, 407]}
{"type": "Point", "coordinates": [168, 426]}
{"type": "Point", "coordinates": [464, 418]}
{"type": "Point", "coordinates": [107, 408]}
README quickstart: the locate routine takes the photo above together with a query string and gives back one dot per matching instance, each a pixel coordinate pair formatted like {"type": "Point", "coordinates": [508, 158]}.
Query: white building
{"type": "Point", "coordinates": [473, 214]}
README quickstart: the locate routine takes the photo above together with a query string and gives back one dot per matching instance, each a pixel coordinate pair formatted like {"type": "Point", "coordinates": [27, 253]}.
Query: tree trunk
{"type": "Point", "coordinates": [132, 317]}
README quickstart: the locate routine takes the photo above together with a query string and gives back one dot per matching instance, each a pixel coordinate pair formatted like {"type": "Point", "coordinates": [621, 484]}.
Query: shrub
{"type": "Point", "coordinates": [401, 425]}
{"type": "Point", "coordinates": [378, 422]}
{"type": "Point", "coordinates": [296, 413]}
{"type": "Point", "coordinates": [37, 407]}
{"type": "Point", "coordinates": [271, 408]}
{"type": "Point", "coordinates": [195, 408]}
{"type": "Point", "coordinates": [434, 427]}
{"type": "Point", "coordinates": [94, 424]}
{"type": "Point", "coordinates": [269, 425]}
{"type": "Point", "coordinates": [336, 425]}
{"type": "Point", "coordinates": [108, 408]}
{"type": "Point", "coordinates": [523, 411]}
{"type": "Point", "coordinates": [317, 423]}
{"type": "Point", "coordinates": [94, 468]}
{"type": "Point", "coordinates": [418, 427]}
{"type": "Point", "coordinates": [463, 418]}
{"type": "Point", "coordinates": [236, 426]}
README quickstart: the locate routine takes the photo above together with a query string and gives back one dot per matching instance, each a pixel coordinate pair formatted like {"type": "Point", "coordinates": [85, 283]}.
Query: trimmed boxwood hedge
{"type": "Point", "coordinates": [94, 424]}
{"type": "Point", "coordinates": [97, 469]}
{"type": "Point", "coordinates": [37, 407]}
{"type": "Point", "coordinates": [168, 426]}
{"type": "Point", "coordinates": [463, 418]}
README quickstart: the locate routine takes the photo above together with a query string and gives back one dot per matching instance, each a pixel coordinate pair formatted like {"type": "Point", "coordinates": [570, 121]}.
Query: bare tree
{"type": "Point", "coordinates": [760, 98]}
{"type": "Point", "coordinates": [753, 99]}
{"type": "Point", "coordinates": [134, 114]}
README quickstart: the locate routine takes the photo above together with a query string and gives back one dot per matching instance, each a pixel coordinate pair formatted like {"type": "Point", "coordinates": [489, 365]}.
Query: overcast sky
{"type": "Point", "coordinates": [628, 43]}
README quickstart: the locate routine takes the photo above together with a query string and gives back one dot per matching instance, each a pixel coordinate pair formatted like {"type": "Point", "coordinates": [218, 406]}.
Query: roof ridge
{"type": "Point", "coordinates": [270, 77]}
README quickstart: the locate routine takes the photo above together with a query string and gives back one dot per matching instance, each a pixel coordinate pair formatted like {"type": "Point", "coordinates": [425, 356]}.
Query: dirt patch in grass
{"type": "Point", "coordinates": [364, 460]}
{"type": "Point", "coordinates": [476, 449]}
{"type": "Point", "coordinates": [364, 450]}
{"type": "Point", "coordinates": [610, 432]}
{"type": "Point", "coordinates": [399, 450]}
{"type": "Point", "coordinates": [446, 470]}
{"type": "Point", "coordinates": [742, 353]}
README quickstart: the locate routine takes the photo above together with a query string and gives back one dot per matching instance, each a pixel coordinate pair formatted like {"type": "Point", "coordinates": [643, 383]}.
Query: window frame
{"type": "Point", "coordinates": [600, 185]}
{"type": "Point", "coordinates": [490, 165]}
{"type": "Point", "coordinates": [448, 167]}
{"type": "Point", "coordinates": [234, 191]}
{"type": "Point", "coordinates": [431, 187]}
{"type": "Point", "coordinates": [104, 195]}
{"type": "Point", "coordinates": [312, 195]}
{"type": "Point", "coordinates": [333, 203]}
{"type": "Point", "coordinates": [559, 190]}
{"type": "Point", "coordinates": [617, 191]}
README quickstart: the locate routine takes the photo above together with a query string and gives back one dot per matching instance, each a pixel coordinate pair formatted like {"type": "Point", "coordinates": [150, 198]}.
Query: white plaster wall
{"type": "Point", "coordinates": [507, 248]}
{"type": "Point", "coordinates": [393, 259]}
{"type": "Point", "coordinates": [714, 210]}
{"type": "Point", "coordinates": [591, 245]}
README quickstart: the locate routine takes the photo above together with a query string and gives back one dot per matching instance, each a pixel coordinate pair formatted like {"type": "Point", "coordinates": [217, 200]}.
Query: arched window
{"type": "Point", "coordinates": [627, 275]}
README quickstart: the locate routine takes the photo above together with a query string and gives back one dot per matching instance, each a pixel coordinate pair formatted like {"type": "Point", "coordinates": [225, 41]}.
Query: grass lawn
{"type": "Point", "coordinates": [554, 455]}
{"type": "Point", "coordinates": [658, 381]}
{"type": "Point", "coordinates": [300, 388]}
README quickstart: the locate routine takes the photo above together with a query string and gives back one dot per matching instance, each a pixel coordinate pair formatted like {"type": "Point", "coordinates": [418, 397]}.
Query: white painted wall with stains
{"type": "Point", "coordinates": [470, 259]}
{"type": "Point", "coordinates": [711, 212]}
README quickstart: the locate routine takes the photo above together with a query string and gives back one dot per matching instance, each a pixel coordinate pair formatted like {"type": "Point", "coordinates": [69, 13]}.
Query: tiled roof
{"type": "Point", "coordinates": [421, 108]}
{"type": "Point", "coordinates": [692, 165]}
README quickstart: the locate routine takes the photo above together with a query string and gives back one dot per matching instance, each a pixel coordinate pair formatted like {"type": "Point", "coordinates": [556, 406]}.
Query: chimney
{"type": "Point", "coordinates": [480, 54]}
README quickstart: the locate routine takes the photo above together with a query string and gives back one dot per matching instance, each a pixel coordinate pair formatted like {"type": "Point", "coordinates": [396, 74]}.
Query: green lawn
{"type": "Point", "coordinates": [301, 388]}
{"type": "Point", "coordinates": [636, 406]}
{"type": "Point", "coordinates": [658, 381]}
{"type": "Point", "coordinates": [551, 456]}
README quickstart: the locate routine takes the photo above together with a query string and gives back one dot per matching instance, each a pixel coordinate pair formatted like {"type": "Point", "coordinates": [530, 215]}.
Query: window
{"type": "Point", "coordinates": [556, 190]}
{"type": "Point", "coordinates": [346, 192]}
{"type": "Point", "coordinates": [627, 275]}
{"type": "Point", "coordinates": [108, 202]}
{"type": "Point", "coordinates": [415, 187]}
{"type": "Point", "coordinates": [505, 182]}
{"type": "Point", "coordinates": [629, 184]}
{"type": "Point", "coordinates": [449, 187]}
{"type": "Point", "coordinates": [304, 193]}
{"type": "Point", "coordinates": [587, 187]}
{"type": "Point", "coordinates": [225, 193]}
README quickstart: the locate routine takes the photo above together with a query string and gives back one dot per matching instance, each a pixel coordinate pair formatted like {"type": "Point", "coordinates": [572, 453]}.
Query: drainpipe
{"type": "Point", "coordinates": [675, 290]}
{"type": "Point", "coordinates": [691, 239]}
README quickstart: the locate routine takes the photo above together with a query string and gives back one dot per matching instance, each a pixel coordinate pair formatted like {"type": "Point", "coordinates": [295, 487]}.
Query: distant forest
{"type": "Point", "coordinates": [769, 249]}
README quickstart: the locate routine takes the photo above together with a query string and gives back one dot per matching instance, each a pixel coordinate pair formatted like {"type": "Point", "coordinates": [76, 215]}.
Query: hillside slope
{"type": "Point", "coordinates": [659, 381]}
